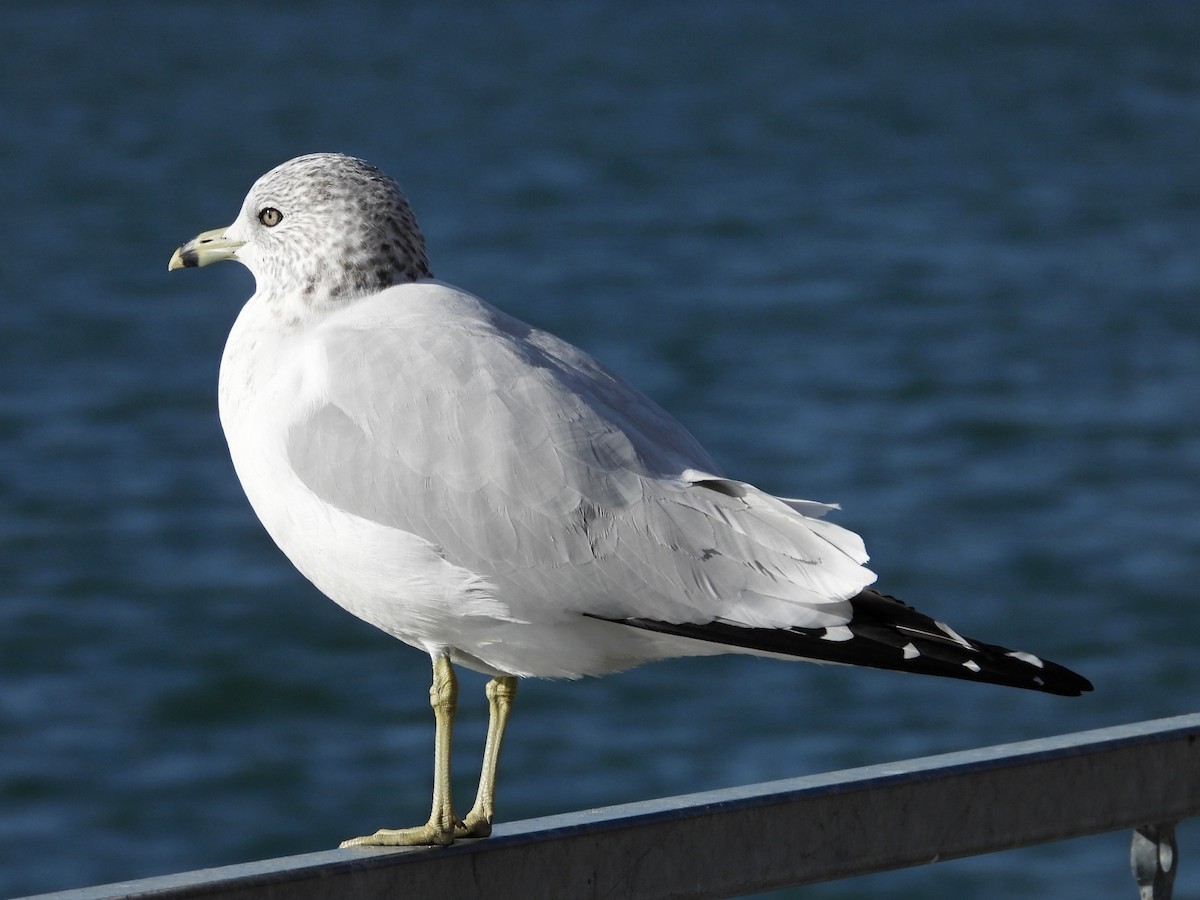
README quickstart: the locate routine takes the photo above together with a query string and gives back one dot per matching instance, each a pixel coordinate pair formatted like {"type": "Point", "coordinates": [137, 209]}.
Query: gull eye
{"type": "Point", "coordinates": [270, 216]}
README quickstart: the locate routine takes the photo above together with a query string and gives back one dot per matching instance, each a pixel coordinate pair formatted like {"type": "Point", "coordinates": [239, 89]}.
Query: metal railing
{"type": "Point", "coordinates": [1144, 777]}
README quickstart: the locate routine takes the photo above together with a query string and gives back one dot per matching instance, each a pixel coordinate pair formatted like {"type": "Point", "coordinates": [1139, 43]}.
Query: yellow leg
{"type": "Point", "coordinates": [500, 693]}
{"type": "Point", "coordinates": [440, 829]}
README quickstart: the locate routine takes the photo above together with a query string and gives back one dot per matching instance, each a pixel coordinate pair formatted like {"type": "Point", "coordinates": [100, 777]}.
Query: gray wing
{"type": "Point", "coordinates": [526, 461]}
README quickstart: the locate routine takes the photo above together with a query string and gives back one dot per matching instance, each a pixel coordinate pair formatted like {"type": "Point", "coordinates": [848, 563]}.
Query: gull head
{"type": "Point", "coordinates": [319, 231]}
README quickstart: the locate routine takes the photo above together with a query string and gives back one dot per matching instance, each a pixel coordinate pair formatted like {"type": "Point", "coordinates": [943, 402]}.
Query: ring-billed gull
{"type": "Point", "coordinates": [494, 496]}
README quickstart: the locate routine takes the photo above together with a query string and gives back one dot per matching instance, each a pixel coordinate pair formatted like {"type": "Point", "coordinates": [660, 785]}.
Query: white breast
{"type": "Point", "coordinates": [395, 580]}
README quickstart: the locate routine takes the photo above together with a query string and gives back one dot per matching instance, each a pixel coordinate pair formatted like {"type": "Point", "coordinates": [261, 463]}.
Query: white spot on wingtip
{"type": "Point", "coordinates": [1026, 658]}
{"type": "Point", "coordinates": [972, 665]}
{"type": "Point", "coordinates": [837, 633]}
{"type": "Point", "coordinates": [911, 652]}
{"type": "Point", "coordinates": [954, 635]}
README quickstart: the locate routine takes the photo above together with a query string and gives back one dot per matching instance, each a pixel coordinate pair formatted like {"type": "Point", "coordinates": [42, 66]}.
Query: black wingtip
{"type": "Point", "coordinates": [887, 634]}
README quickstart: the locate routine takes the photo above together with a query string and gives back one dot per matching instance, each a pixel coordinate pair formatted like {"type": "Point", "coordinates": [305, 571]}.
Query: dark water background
{"type": "Point", "coordinates": [936, 261]}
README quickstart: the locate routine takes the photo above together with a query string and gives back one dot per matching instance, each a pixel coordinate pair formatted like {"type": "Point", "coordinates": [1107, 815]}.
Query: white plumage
{"type": "Point", "coordinates": [494, 496]}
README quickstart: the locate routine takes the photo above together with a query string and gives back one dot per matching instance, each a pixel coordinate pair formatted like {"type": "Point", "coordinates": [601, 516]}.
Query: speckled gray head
{"type": "Point", "coordinates": [321, 229]}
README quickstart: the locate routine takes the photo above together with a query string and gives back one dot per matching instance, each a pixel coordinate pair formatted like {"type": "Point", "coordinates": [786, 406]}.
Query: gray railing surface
{"type": "Point", "coordinates": [1144, 777]}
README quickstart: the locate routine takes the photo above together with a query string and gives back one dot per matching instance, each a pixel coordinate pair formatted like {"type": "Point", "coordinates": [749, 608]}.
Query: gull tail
{"type": "Point", "coordinates": [887, 634]}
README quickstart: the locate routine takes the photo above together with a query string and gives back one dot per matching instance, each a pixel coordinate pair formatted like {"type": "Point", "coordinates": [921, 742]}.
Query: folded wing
{"type": "Point", "coordinates": [526, 461]}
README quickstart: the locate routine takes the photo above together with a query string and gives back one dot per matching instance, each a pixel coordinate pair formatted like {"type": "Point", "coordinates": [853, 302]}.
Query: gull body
{"type": "Point", "coordinates": [494, 496]}
{"type": "Point", "coordinates": [395, 452]}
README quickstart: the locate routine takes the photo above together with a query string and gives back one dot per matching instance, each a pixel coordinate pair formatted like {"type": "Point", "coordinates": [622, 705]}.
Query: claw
{"type": "Point", "coordinates": [428, 835]}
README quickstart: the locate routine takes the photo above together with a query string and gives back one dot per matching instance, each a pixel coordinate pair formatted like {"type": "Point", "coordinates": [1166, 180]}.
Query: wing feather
{"type": "Point", "coordinates": [526, 461]}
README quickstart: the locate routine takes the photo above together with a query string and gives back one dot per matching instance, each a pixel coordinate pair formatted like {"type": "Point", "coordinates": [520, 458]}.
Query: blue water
{"type": "Point", "coordinates": [935, 261]}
